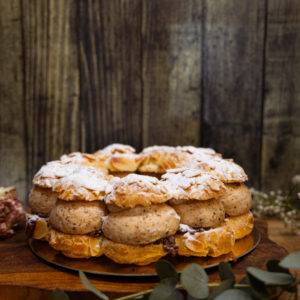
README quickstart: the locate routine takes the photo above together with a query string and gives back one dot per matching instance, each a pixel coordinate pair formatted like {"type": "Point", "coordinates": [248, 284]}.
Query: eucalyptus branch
{"type": "Point", "coordinates": [194, 281]}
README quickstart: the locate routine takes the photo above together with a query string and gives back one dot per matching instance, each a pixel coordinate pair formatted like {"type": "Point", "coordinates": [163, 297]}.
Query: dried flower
{"type": "Point", "coordinates": [285, 205]}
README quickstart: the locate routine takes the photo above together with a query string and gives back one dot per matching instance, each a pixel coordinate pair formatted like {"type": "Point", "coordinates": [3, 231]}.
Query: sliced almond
{"type": "Point", "coordinates": [41, 229]}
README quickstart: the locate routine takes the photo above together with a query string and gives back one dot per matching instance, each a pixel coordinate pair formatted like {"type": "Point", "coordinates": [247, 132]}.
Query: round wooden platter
{"type": "Point", "coordinates": [105, 266]}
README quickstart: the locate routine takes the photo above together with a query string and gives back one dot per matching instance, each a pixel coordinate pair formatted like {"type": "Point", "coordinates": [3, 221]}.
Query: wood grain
{"type": "Point", "coordinates": [232, 81]}
{"type": "Point", "coordinates": [12, 147]}
{"type": "Point", "coordinates": [171, 72]}
{"type": "Point", "coordinates": [21, 271]}
{"type": "Point", "coordinates": [281, 120]}
{"type": "Point", "coordinates": [110, 72]}
{"type": "Point", "coordinates": [78, 75]}
{"type": "Point", "coordinates": [51, 81]}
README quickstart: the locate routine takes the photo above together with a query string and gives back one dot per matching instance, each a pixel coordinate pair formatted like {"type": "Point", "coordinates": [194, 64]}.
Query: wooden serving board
{"type": "Point", "coordinates": [25, 276]}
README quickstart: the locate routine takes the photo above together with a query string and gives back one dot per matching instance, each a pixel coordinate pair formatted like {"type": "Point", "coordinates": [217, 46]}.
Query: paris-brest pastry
{"type": "Point", "coordinates": [136, 208]}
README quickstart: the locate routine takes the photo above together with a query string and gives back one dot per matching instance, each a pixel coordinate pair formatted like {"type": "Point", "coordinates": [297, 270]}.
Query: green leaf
{"type": "Point", "coordinates": [194, 279]}
{"type": "Point", "coordinates": [224, 285]}
{"type": "Point", "coordinates": [226, 271]}
{"type": "Point", "coordinates": [165, 269]}
{"type": "Point", "coordinates": [176, 295]}
{"type": "Point", "coordinates": [291, 261]}
{"type": "Point", "coordinates": [273, 266]}
{"type": "Point", "coordinates": [90, 287]}
{"type": "Point", "coordinates": [58, 294]}
{"type": "Point", "coordinates": [234, 294]}
{"type": "Point", "coordinates": [270, 277]}
{"type": "Point", "coordinates": [258, 288]}
{"type": "Point", "coordinates": [164, 289]}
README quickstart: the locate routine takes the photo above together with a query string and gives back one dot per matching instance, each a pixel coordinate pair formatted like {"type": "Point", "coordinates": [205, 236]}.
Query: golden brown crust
{"type": "Point", "coordinates": [85, 183]}
{"type": "Point", "coordinates": [40, 229]}
{"type": "Point", "coordinates": [213, 242]}
{"type": "Point", "coordinates": [133, 254]}
{"type": "Point", "coordinates": [225, 169]}
{"type": "Point", "coordinates": [119, 158]}
{"type": "Point", "coordinates": [84, 159]}
{"type": "Point", "coordinates": [241, 225]}
{"type": "Point", "coordinates": [158, 159]}
{"type": "Point", "coordinates": [134, 190]}
{"type": "Point", "coordinates": [41, 200]}
{"type": "Point", "coordinates": [192, 184]}
{"type": "Point", "coordinates": [76, 246]}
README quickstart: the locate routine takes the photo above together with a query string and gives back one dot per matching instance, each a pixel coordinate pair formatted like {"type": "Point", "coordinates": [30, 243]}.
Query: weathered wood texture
{"type": "Point", "coordinates": [12, 142]}
{"type": "Point", "coordinates": [281, 120]}
{"type": "Point", "coordinates": [171, 72]}
{"type": "Point", "coordinates": [78, 75]}
{"type": "Point", "coordinates": [51, 99]}
{"type": "Point", "coordinates": [110, 72]}
{"type": "Point", "coordinates": [232, 80]}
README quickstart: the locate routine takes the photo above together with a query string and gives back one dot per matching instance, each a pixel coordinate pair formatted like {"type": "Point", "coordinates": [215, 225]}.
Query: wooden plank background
{"type": "Point", "coordinates": [78, 75]}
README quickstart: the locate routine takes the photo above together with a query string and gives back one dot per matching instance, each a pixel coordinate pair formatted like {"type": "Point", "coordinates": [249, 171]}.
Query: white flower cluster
{"type": "Point", "coordinates": [285, 205]}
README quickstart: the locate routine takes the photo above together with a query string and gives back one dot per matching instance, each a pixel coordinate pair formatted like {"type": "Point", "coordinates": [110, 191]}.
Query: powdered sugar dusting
{"type": "Point", "coordinates": [76, 157]}
{"type": "Point", "coordinates": [186, 228]}
{"type": "Point", "coordinates": [195, 150]}
{"type": "Point", "coordinates": [117, 149]}
{"type": "Point", "coordinates": [159, 148]}
{"type": "Point", "coordinates": [185, 183]}
{"type": "Point", "coordinates": [87, 177]}
{"type": "Point", "coordinates": [53, 171]}
{"type": "Point", "coordinates": [225, 169]}
{"type": "Point", "coordinates": [138, 186]}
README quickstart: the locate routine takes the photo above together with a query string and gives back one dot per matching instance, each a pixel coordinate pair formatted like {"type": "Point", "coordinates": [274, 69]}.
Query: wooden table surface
{"type": "Point", "coordinates": [25, 276]}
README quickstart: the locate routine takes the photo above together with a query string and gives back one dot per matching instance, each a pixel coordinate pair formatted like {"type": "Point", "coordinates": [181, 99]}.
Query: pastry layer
{"type": "Point", "coordinates": [77, 217]}
{"type": "Point", "coordinates": [209, 213]}
{"type": "Point", "coordinates": [141, 225]}
{"type": "Point", "coordinates": [237, 199]}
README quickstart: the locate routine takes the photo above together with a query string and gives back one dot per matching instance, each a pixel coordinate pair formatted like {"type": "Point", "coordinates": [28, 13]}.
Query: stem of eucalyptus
{"type": "Point", "coordinates": [178, 286]}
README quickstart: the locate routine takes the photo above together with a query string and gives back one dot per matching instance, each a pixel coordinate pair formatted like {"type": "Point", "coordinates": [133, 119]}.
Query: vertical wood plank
{"type": "Point", "coordinates": [171, 72]}
{"type": "Point", "coordinates": [232, 80]}
{"type": "Point", "coordinates": [281, 131]}
{"type": "Point", "coordinates": [51, 80]}
{"type": "Point", "coordinates": [12, 148]}
{"type": "Point", "coordinates": [110, 72]}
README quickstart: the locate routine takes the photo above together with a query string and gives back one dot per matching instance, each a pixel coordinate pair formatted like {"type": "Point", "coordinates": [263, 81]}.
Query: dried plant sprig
{"type": "Point", "coordinates": [282, 204]}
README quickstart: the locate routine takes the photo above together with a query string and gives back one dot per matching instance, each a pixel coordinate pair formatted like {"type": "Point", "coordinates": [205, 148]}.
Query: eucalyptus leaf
{"type": "Point", "coordinates": [291, 261]}
{"type": "Point", "coordinates": [90, 287]}
{"type": "Point", "coordinates": [234, 294]}
{"type": "Point", "coordinates": [247, 290]}
{"type": "Point", "coordinates": [176, 295]}
{"type": "Point", "coordinates": [189, 297]}
{"type": "Point", "coordinates": [224, 285]}
{"type": "Point", "coordinates": [58, 294]}
{"type": "Point", "coordinates": [164, 289]}
{"type": "Point", "coordinates": [194, 279]}
{"type": "Point", "coordinates": [226, 271]}
{"type": "Point", "coordinates": [258, 288]}
{"type": "Point", "coordinates": [273, 266]}
{"type": "Point", "coordinates": [270, 277]}
{"type": "Point", "coordinates": [165, 269]}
